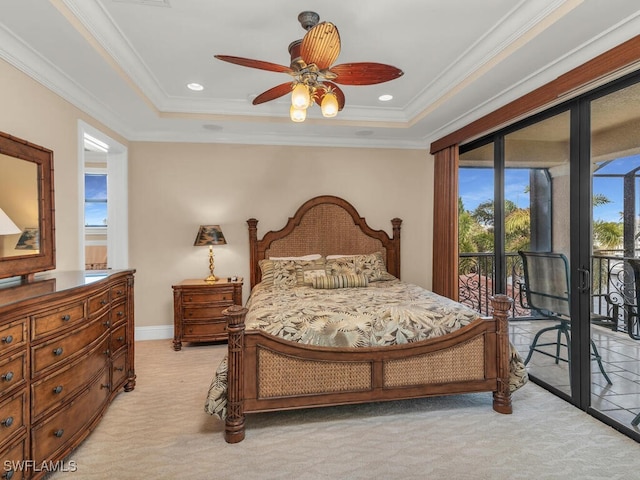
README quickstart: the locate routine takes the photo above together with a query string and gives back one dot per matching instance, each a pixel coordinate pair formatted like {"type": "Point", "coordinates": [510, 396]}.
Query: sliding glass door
{"type": "Point", "coordinates": [550, 206]}
{"type": "Point", "coordinates": [615, 170]}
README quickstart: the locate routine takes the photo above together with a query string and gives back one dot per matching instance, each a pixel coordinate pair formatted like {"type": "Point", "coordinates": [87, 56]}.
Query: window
{"type": "Point", "coordinates": [95, 200]}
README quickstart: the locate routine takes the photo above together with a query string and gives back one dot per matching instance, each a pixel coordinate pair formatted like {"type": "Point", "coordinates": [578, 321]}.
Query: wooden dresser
{"type": "Point", "coordinates": [197, 309]}
{"type": "Point", "coordinates": [66, 350]}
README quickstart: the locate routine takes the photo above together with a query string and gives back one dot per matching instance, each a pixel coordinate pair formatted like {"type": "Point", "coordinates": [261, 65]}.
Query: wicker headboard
{"type": "Point", "coordinates": [326, 225]}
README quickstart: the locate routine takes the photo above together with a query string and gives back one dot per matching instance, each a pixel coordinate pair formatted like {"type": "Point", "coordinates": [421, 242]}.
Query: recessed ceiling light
{"type": "Point", "coordinates": [385, 98]}
{"type": "Point", "coordinates": [212, 127]}
{"type": "Point", "coordinates": [196, 87]}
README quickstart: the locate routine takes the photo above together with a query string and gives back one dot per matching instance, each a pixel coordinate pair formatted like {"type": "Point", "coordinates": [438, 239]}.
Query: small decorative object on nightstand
{"type": "Point", "coordinates": [198, 306]}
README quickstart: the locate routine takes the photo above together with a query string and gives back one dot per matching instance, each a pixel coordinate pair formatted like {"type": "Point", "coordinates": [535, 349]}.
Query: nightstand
{"type": "Point", "coordinates": [197, 309]}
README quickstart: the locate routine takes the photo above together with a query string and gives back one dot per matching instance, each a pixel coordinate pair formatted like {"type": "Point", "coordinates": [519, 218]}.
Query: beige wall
{"type": "Point", "coordinates": [173, 188]}
{"type": "Point", "coordinates": [34, 113]}
{"type": "Point", "coordinates": [176, 187]}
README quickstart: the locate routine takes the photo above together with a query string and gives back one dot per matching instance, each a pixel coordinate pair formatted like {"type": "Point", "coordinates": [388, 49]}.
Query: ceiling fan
{"type": "Point", "coordinates": [315, 78]}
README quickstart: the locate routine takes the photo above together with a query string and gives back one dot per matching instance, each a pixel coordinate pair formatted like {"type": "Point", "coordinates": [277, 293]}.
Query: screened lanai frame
{"type": "Point", "coordinates": [445, 152]}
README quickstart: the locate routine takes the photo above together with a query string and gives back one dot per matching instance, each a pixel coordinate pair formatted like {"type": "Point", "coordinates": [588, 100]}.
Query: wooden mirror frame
{"type": "Point", "coordinates": [28, 265]}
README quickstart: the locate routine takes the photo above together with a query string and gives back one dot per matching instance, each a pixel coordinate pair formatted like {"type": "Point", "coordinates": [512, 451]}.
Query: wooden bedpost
{"type": "Point", "coordinates": [502, 396]}
{"type": "Point", "coordinates": [396, 222]}
{"type": "Point", "coordinates": [234, 423]}
{"type": "Point", "coordinates": [253, 250]}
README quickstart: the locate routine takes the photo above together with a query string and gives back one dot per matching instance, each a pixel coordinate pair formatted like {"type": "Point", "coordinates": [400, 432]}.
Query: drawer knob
{"type": "Point", "coordinates": [119, 292]}
{"type": "Point", "coordinates": [120, 338]}
{"type": "Point", "coordinates": [107, 323]}
{"type": "Point", "coordinates": [58, 433]}
{"type": "Point", "coordinates": [58, 351]}
{"type": "Point", "coordinates": [118, 369]}
{"type": "Point", "coordinates": [66, 318]}
{"type": "Point", "coordinates": [7, 422]}
{"type": "Point", "coordinates": [105, 385]}
{"type": "Point", "coordinates": [120, 313]}
{"type": "Point", "coordinates": [7, 377]}
{"type": "Point", "coordinates": [104, 301]}
{"type": "Point", "coordinates": [57, 389]}
{"type": "Point", "coordinates": [8, 339]}
{"type": "Point", "coordinates": [107, 352]}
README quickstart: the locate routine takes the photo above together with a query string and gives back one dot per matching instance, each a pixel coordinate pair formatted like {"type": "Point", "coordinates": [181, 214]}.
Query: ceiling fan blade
{"type": "Point", "coordinates": [273, 93]}
{"type": "Point", "coordinates": [364, 73]}
{"type": "Point", "coordinates": [321, 45]}
{"type": "Point", "coordinates": [339, 94]}
{"type": "Point", "coordinates": [259, 64]}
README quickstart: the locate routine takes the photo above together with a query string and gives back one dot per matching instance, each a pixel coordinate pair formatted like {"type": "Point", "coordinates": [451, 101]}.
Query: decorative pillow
{"type": "Point", "coordinates": [372, 265]}
{"type": "Point", "coordinates": [280, 273]}
{"type": "Point", "coordinates": [340, 281]}
{"type": "Point", "coordinates": [307, 270]}
{"type": "Point", "coordinates": [342, 266]}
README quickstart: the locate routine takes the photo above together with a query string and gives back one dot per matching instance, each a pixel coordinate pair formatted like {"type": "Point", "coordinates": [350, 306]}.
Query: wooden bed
{"type": "Point", "coordinates": [267, 373]}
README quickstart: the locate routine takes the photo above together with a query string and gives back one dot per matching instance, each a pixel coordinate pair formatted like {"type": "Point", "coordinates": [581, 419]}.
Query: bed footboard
{"type": "Point", "coordinates": [266, 373]}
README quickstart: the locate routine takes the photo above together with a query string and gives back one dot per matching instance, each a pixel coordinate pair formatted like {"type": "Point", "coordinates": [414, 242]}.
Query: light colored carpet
{"type": "Point", "coordinates": [160, 431]}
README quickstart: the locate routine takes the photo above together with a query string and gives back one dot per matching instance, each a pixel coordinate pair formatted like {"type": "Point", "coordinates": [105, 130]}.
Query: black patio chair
{"type": "Point", "coordinates": [546, 289]}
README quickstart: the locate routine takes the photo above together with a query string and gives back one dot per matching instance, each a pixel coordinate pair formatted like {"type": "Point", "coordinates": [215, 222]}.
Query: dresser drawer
{"type": "Point", "coordinates": [58, 430]}
{"type": "Point", "coordinates": [118, 292]}
{"type": "Point", "coordinates": [221, 294]}
{"type": "Point", "coordinates": [118, 338]}
{"type": "Point", "coordinates": [53, 320]}
{"type": "Point", "coordinates": [118, 314]}
{"type": "Point", "coordinates": [56, 388]}
{"type": "Point", "coordinates": [58, 350]}
{"type": "Point", "coordinates": [119, 371]}
{"type": "Point", "coordinates": [14, 461]}
{"type": "Point", "coordinates": [98, 303]}
{"type": "Point", "coordinates": [13, 335]}
{"type": "Point", "coordinates": [208, 312]}
{"type": "Point", "coordinates": [13, 371]}
{"type": "Point", "coordinates": [209, 330]}
{"type": "Point", "coordinates": [12, 415]}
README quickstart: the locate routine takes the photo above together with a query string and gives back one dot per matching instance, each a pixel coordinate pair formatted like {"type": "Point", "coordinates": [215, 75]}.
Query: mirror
{"type": "Point", "coordinates": [27, 243]}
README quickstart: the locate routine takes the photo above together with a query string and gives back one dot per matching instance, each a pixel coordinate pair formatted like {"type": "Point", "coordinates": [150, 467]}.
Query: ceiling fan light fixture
{"type": "Point", "coordinates": [297, 114]}
{"type": "Point", "coordinates": [300, 97]}
{"type": "Point", "coordinates": [329, 105]}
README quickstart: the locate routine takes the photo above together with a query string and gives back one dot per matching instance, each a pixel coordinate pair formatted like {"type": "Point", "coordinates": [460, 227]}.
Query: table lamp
{"type": "Point", "coordinates": [210, 235]}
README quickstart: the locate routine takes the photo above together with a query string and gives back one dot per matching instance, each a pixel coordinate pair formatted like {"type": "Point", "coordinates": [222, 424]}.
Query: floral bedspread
{"type": "Point", "coordinates": [383, 313]}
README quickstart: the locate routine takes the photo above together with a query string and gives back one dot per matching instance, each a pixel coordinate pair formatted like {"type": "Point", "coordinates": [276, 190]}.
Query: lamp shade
{"type": "Point", "coordinates": [300, 97]}
{"type": "Point", "coordinates": [297, 114]}
{"type": "Point", "coordinates": [329, 105]}
{"type": "Point", "coordinates": [209, 235]}
{"type": "Point", "coordinates": [7, 227]}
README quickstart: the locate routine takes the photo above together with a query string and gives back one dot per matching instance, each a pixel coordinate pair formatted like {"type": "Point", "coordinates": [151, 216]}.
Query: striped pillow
{"type": "Point", "coordinates": [340, 281]}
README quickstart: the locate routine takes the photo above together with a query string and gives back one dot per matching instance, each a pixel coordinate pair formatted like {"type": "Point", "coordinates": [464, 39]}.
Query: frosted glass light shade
{"type": "Point", "coordinates": [329, 105]}
{"type": "Point", "coordinates": [300, 96]}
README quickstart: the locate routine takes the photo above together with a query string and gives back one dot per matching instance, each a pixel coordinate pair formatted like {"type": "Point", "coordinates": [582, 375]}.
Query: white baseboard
{"type": "Point", "coordinates": [158, 332]}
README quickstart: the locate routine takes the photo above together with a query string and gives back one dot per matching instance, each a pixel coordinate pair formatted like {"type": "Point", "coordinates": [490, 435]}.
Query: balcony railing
{"type": "Point", "coordinates": [476, 285]}
{"type": "Point", "coordinates": [612, 283]}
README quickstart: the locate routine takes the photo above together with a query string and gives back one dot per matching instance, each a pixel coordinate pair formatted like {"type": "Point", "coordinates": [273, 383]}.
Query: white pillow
{"type": "Point", "coordinates": [333, 257]}
{"type": "Point", "coordinates": [313, 256]}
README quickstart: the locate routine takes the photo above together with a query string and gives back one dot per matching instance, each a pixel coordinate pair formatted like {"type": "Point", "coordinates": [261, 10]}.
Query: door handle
{"type": "Point", "coordinates": [585, 280]}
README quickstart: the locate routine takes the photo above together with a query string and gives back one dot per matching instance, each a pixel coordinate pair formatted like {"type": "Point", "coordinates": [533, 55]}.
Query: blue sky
{"type": "Point", "coordinates": [476, 186]}
{"type": "Point", "coordinates": [95, 188]}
